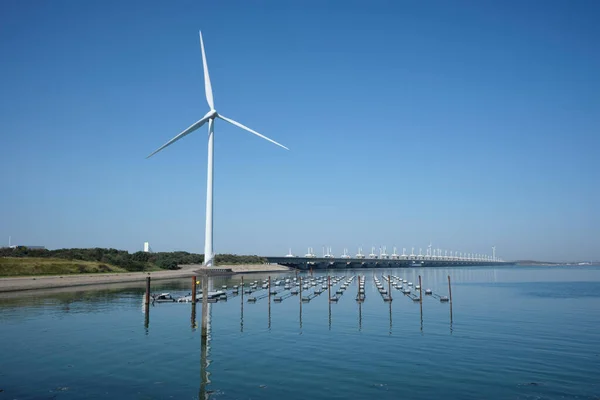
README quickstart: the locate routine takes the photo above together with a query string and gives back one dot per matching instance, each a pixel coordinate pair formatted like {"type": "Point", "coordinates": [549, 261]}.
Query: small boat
{"type": "Point", "coordinates": [211, 296]}
{"type": "Point", "coordinates": [163, 298]}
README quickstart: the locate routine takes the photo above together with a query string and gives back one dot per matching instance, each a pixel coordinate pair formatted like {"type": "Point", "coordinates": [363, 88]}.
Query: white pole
{"type": "Point", "coordinates": [208, 234]}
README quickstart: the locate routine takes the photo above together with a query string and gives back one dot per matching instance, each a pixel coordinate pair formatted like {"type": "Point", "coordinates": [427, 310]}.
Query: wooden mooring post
{"type": "Point", "coordinates": [242, 287]}
{"type": "Point", "coordinates": [147, 291]}
{"type": "Point", "coordinates": [194, 283]}
{"type": "Point", "coordinates": [147, 304]}
{"type": "Point", "coordinates": [242, 307]}
{"type": "Point", "coordinates": [205, 305]}
{"type": "Point", "coordinates": [450, 295]}
{"type": "Point", "coordinates": [420, 290]}
{"type": "Point", "coordinates": [329, 288]}
{"type": "Point", "coordinates": [390, 290]}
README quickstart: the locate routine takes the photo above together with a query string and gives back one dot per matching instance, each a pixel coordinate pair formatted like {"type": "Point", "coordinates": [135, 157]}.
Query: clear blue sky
{"type": "Point", "coordinates": [468, 124]}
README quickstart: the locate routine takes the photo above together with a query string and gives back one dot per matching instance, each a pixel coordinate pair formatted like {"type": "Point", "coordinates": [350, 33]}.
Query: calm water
{"type": "Point", "coordinates": [516, 333]}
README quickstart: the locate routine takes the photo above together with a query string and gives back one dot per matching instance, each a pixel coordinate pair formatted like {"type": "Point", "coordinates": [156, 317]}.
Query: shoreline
{"type": "Point", "coordinates": [23, 283]}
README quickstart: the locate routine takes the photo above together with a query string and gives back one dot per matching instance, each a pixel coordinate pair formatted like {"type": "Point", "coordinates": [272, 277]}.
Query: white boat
{"type": "Point", "coordinates": [211, 295]}
{"type": "Point", "coordinates": [162, 298]}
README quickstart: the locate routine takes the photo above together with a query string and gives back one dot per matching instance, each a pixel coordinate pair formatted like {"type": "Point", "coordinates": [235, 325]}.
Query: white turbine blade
{"type": "Point", "coordinates": [207, 85]}
{"type": "Point", "coordinates": [250, 130]}
{"type": "Point", "coordinates": [189, 130]}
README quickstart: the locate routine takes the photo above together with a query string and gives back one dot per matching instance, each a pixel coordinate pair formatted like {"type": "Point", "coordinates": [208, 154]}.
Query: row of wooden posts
{"type": "Point", "coordinates": [205, 296]}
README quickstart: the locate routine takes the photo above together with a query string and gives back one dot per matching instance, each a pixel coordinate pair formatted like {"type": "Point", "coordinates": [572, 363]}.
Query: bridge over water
{"type": "Point", "coordinates": [306, 263]}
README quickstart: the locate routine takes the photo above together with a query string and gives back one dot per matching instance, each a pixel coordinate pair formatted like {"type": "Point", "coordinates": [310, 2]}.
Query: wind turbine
{"type": "Point", "coordinates": [210, 117]}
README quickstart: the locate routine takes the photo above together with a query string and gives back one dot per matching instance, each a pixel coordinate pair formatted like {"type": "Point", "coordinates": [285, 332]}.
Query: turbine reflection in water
{"type": "Point", "coordinates": [204, 363]}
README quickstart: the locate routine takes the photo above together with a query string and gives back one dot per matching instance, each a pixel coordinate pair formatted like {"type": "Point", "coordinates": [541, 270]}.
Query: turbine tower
{"type": "Point", "coordinates": [210, 117]}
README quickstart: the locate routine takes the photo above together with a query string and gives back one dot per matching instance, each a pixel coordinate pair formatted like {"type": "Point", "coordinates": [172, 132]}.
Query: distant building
{"type": "Point", "coordinates": [147, 247]}
{"type": "Point", "coordinates": [14, 246]}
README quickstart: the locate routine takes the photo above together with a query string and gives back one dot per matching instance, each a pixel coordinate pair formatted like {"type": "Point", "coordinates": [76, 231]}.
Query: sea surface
{"type": "Point", "coordinates": [509, 333]}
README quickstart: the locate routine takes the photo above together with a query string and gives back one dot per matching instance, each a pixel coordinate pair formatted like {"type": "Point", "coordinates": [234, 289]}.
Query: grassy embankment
{"type": "Point", "coordinates": [29, 266]}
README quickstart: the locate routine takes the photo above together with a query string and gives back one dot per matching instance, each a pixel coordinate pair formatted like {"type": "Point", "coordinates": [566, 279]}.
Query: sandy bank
{"type": "Point", "coordinates": [50, 282]}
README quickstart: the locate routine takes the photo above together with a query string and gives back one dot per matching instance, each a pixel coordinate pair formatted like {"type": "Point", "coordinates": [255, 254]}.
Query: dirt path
{"type": "Point", "coordinates": [49, 282]}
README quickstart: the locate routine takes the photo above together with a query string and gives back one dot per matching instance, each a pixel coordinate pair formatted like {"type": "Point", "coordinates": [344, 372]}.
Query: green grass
{"type": "Point", "coordinates": [29, 266]}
